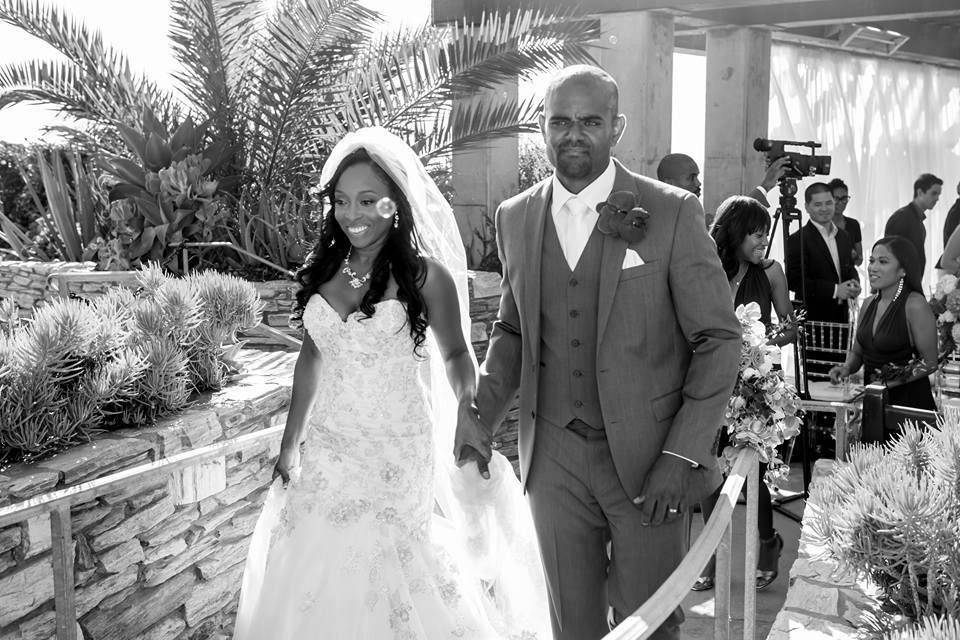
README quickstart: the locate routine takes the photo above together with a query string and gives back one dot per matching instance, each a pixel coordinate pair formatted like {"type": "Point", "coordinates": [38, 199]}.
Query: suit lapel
{"type": "Point", "coordinates": [611, 259]}
{"type": "Point", "coordinates": [821, 246]}
{"type": "Point", "coordinates": [534, 218]}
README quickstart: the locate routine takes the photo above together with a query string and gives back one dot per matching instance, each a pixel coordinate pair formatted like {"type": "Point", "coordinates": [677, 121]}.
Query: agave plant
{"type": "Point", "coordinates": [283, 81]}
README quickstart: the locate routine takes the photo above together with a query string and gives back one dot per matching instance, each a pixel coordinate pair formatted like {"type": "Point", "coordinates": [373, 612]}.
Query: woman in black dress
{"type": "Point", "coordinates": [896, 326]}
{"type": "Point", "coordinates": [740, 233]}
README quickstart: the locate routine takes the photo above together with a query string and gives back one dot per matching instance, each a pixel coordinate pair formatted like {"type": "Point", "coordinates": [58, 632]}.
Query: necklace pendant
{"type": "Point", "coordinates": [356, 282]}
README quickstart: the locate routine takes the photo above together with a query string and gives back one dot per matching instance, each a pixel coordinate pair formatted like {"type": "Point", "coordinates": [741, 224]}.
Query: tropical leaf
{"type": "Point", "coordinates": [409, 83]}
{"type": "Point", "coordinates": [302, 61]}
{"type": "Point", "coordinates": [95, 83]}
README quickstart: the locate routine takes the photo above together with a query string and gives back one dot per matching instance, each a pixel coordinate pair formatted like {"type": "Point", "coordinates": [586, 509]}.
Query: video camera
{"type": "Point", "coordinates": [801, 165]}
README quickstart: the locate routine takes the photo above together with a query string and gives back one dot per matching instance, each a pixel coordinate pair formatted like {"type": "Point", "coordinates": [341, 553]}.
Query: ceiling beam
{"type": "Point", "coordinates": [792, 14]}
{"type": "Point", "coordinates": [457, 10]}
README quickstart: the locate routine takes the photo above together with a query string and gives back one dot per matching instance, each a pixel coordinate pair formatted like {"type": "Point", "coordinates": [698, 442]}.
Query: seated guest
{"type": "Point", "coordinates": [841, 196]}
{"type": "Point", "coordinates": [827, 279]}
{"type": "Point", "coordinates": [896, 327]}
{"type": "Point", "coordinates": [740, 233]}
{"type": "Point", "coordinates": [907, 221]}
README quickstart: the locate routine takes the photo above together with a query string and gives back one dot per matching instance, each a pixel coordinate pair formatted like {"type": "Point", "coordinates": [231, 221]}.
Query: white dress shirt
{"type": "Point", "coordinates": [829, 234]}
{"type": "Point", "coordinates": [575, 214]}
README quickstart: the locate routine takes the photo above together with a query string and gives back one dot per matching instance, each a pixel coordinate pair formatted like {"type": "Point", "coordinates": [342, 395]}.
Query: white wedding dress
{"type": "Point", "coordinates": [353, 547]}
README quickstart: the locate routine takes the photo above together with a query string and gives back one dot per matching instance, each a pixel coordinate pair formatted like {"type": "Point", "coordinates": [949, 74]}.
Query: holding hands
{"type": "Point", "coordinates": [472, 439]}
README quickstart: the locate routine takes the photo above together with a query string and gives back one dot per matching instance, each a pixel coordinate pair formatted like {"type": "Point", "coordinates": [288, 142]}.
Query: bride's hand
{"type": "Point", "coordinates": [288, 461]}
{"type": "Point", "coordinates": [472, 440]}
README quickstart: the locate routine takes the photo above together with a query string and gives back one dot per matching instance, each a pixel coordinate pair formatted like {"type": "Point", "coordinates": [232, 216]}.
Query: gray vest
{"type": "Point", "coordinates": [568, 332]}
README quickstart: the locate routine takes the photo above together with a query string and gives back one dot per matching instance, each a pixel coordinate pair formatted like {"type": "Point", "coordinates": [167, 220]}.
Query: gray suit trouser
{"type": "Point", "coordinates": [579, 506]}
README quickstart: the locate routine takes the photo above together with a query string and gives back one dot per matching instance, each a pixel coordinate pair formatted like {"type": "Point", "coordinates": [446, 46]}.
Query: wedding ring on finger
{"type": "Point", "coordinates": [673, 511]}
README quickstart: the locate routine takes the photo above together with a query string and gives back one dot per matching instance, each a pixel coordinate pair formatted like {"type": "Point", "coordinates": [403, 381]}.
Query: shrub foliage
{"type": "Point", "coordinates": [121, 360]}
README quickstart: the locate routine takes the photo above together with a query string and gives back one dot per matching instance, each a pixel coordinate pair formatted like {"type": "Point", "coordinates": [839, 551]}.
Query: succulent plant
{"type": "Point", "coordinates": [122, 360]}
{"type": "Point", "coordinates": [173, 187]}
{"type": "Point", "coordinates": [892, 514]}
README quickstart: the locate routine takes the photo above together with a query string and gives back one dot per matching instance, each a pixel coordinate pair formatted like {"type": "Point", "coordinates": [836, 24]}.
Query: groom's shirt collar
{"type": "Point", "coordinates": [591, 195]}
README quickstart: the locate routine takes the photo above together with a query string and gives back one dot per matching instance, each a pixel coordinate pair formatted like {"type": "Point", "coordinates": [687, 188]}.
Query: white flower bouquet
{"type": "Point", "coordinates": [763, 410]}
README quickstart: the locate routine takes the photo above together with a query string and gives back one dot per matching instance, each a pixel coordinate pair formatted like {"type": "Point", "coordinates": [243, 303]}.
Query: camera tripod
{"type": "Point", "coordinates": [788, 212]}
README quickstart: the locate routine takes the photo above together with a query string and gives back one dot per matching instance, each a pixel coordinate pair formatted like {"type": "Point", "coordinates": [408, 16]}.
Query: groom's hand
{"type": "Point", "coordinates": [472, 440]}
{"type": "Point", "coordinates": [664, 490]}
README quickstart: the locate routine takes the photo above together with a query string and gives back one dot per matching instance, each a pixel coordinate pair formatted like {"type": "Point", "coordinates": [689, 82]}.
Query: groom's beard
{"type": "Point", "coordinates": [575, 165]}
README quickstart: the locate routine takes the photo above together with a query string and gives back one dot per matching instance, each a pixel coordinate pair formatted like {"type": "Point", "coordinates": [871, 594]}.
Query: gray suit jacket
{"type": "Point", "coordinates": [668, 342]}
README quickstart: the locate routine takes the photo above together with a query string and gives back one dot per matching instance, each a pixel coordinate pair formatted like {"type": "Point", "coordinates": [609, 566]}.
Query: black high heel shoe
{"type": "Point", "coordinates": [768, 560]}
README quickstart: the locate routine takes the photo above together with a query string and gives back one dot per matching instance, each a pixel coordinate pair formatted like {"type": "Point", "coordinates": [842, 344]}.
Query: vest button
{"type": "Point", "coordinates": [573, 282]}
{"type": "Point", "coordinates": [574, 313]}
{"type": "Point", "coordinates": [574, 343]}
{"type": "Point", "coordinates": [577, 404]}
{"type": "Point", "coordinates": [577, 373]}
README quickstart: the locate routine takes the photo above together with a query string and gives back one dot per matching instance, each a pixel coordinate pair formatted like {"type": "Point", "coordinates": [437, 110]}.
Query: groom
{"type": "Point", "coordinates": [624, 354]}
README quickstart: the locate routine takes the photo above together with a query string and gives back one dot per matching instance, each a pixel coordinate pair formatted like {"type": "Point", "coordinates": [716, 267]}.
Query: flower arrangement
{"type": "Point", "coordinates": [945, 303]}
{"type": "Point", "coordinates": [763, 410]}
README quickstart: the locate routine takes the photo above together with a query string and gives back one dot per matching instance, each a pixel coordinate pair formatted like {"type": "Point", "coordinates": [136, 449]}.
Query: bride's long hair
{"type": "Point", "coordinates": [400, 254]}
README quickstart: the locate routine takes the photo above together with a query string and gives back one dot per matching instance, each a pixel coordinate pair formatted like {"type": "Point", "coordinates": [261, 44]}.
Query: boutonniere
{"type": "Point", "coordinates": [620, 217]}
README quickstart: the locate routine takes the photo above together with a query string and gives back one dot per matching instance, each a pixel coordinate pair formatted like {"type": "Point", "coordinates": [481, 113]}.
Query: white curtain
{"type": "Point", "coordinates": [884, 122]}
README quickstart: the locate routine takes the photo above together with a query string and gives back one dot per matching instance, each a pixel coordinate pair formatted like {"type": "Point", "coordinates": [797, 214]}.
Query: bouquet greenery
{"type": "Point", "coordinates": [763, 410]}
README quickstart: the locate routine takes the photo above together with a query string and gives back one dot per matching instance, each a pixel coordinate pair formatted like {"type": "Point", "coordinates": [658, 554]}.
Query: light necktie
{"type": "Point", "coordinates": [579, 227]}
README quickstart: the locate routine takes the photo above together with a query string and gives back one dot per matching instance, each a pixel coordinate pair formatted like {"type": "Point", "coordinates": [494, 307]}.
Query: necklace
{"type": "Point", "coordinates": [737, 281]}
{"type": "Point", "coordinates": [356, 280]}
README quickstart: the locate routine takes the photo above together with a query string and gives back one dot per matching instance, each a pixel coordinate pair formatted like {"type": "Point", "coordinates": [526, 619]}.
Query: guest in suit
{"type": "Point", "coordinates": [827, 279]}
{"type": "Point", "coordinates": [682, 171]}
{"type": "Point", "coordinates": [624, 348]}
{"type": "Point", "coordinates": [841, 196]}
{"type": "Point", "coordinates": [950, 260]}
{"type": "Point", "coordinates": [907, 221]}
{"type": "Point", "coordinates": [952, 221]}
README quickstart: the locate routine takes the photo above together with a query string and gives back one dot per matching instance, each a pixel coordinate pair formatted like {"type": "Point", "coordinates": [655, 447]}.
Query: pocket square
{"type": "Point", "coordinates": [631, 259]}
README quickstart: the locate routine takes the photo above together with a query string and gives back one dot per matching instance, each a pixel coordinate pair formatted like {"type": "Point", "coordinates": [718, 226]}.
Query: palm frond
{"type": "Point", "coordinates": [111, 91]}
{"type": "Point", "coordinates": [472, 124]}
{"type": "Point", "coordinates": [308, 44]}
{"type": "Point", "coordinates": [404, 84]}
{"type": "Point", "coordinates": [210, 40]}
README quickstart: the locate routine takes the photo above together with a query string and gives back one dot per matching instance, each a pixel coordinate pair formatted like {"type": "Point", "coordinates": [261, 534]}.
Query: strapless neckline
{"type": "Point", "coordinates": [346, 319]}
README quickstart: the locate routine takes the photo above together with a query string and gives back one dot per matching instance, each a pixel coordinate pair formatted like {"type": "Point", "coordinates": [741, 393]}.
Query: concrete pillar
{"type": "Point", "coordinates": [738, 100]}
{"type": "Point", "coordinates": [483, 177]}
{"type": "Point", "coordinates": [637, 50]}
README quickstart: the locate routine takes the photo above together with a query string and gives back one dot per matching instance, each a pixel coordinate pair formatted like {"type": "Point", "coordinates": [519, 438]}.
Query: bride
{"type": "Point", "coordinates": [369, 531]}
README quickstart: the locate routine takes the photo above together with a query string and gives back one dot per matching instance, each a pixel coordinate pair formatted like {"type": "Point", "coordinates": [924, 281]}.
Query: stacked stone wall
{"type": "Point", "coordinates": [160, 559]}
{"type": "Point", "coordinates": [28, 283]}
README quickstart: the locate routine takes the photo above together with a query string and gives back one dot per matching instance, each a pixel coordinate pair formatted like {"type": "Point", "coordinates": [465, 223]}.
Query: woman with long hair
{"type": "Point", "coordinates": [740, 232]}
{"type": "Point", "coordinates": [369, 530]}
{"type": "Point", "coordinates": [897, 330]}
